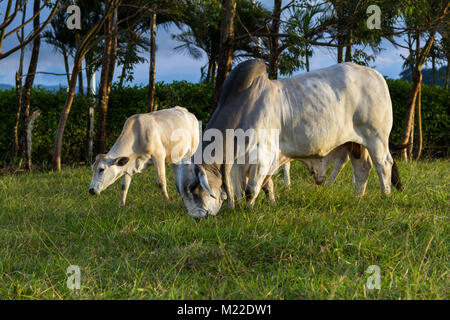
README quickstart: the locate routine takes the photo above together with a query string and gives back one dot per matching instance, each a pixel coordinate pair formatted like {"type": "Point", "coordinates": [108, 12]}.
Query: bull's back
{"type": "Point", "coordinates": [170, 129]}
{"type": "Point", "coordinates": [326, 108]}
{"type": "Point", "coordinates": [148, 133]}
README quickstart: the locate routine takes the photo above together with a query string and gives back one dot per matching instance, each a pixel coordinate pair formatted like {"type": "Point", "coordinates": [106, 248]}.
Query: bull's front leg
{"type": "Point", "coordinates": [256, 177]}
{"type": "Point", "coordinates": [126, 180]}
{"type": "Point", "coordinates": [268, 189]}
{"type": "Point", "coordinates": [161, 174]}
{"type": "Point", "coordinates": [339, 164]}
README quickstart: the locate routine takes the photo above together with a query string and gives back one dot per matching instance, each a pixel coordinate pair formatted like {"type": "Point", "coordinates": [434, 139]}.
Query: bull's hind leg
{"type": "Point", "coordinates": [286, 174]}
{"type": "Point", "coordinates": [382, 159]}
{"type": "Point", "coordinates": [361, 166]}
{"type": "Point", "coordinates": [339, 164]}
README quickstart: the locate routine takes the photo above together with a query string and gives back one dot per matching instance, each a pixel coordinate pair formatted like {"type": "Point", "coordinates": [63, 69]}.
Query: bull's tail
{"type": "Point", "coordinates": [397, 147]}
{"type": "Point", "coordinates": [395, 177]}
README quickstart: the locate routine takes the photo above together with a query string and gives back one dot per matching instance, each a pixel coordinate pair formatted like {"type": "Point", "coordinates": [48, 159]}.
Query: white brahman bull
{"type": "Point", "coordinates": [165, 136]}
{"type": "Point", "coordinates": [311, 115]}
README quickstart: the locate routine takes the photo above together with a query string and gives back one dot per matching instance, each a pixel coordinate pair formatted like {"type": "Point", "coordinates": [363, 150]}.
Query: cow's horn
{"type": "Point", "coordinates": [201, 175]}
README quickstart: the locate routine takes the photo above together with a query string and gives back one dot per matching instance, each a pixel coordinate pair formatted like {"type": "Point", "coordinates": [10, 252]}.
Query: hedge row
{"type": "Point", "coordinates": [125, 102]}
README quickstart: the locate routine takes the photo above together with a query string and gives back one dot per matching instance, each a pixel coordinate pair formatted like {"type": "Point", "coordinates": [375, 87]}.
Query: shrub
{"type": "Point", "coordinates": [127, 101]}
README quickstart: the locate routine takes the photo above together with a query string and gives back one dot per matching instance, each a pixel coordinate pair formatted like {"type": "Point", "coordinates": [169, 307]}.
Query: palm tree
{"type": "Point", "coordinates": [130, 45]}
{"type": "Point", "coordinates": [62, 39]}
{"type": "Point", "coordinates": [200, 32]}
{"type": "Point", "coordinates": [202, 36]}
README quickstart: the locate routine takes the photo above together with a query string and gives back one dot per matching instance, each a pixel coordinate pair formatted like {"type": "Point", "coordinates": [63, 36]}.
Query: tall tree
{"type": "Point", "coordinates": [225, 59]}
{"type": "Point", "coordinates": [108, 65]}
{"type": "Point", "coordinates": [123, 20]}
{"type": "Point", "coordinates": [130, 46]}
{"type": "Point", "coordinates": [152, 70]}
{"type": "Point", "coordinates": [13, 7]}
{"type": "Point", "coordinates": [298, 47]}
{"type": "Point", "coordinates": [62, 39]}
{"type": "Point", "coordinates": [19, 73]}
{"type": "Point", "coordinates": [423, 17]}
{"type": "Point", "coordinates": [274, 39]}
{"type": "Point", "coordinates": [200, 32]}
{"type": "Point", "coordinates": [445, 47]}
{"type": "Point", "coordinates": [86, 44]}
{"type": "Point", "coordinates": [26, 96]}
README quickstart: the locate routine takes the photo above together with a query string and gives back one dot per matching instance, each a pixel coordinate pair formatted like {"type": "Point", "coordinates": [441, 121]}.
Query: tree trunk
{"type": "Point", "coordinates": [103, 91]}
{"type": "Point", "coordinates": [419, 122]}
{"type": "Point", "coordinates": [307, 62]}
{"type": "Point", "coordinates": [113, 50]}
{"type": "Point", "coordinates": [433, 68]}
{"type": "Point", "coordinates": [421, 56]}
{"type": "Point", "coordinates": [91, 117]}
{"type": "Point", "coordinates": [19, 92]}
{"type": "Point", "coordinates": [225, 60]}
{"type": "Point", "coordinates": [274, 40]}
{"type": "Point", "coordinates": [56, 160]}
{"type": "Point", "coordinates": [122, 77]}
{"type": "Point", "coordinates": [348, 51]}
{"type": "Point", "coordinates": [90, 132]}
{"type": "Point", "coordinates": [88, 78]}
{"type": "Point", "coordinates": [19, 73]}
{"type": "Point", "coordinates": [26, 98]}
{"type": "Point", "coordinates": [66, 65]}
{"type": "Point", "coordinates": [410, 147]}
{"type": "Point", "coordinates": [152, 71]}
{"type": "Point", "coordinates": [30, 125]}
{"type": "Point", "coordinates": [109, 60]}
{"type": "Point", "coordinates": [208, 72]}
{"type": "Point", "coordinates": [80, 82]}
{"type": "Point", "coordinates": [447, 73]}
{"type": "Point", "coordinates": [340, 49]}
{"type": "Point", "coordinates": [409, 116]}
{"type": "Point", "coordinates": [340, 52]}
{"type": "Point", "coordinates": [15, 146]}
{"type": "Point", "coordinates": [213, 71]}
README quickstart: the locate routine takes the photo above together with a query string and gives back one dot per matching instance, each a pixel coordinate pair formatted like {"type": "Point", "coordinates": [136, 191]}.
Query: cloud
{"type": "Point", "coordinates": [171, 65]}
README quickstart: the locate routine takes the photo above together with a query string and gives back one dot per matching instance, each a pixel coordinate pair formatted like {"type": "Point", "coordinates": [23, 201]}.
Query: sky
{"type": "Point", "coordinates": [171, 65]}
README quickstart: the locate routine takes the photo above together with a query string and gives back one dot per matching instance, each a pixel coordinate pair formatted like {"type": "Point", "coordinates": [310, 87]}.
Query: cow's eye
{"type": "Point", "coordinates": [101, 170]}
{"type": "Point", "coordinates": [193, 186]}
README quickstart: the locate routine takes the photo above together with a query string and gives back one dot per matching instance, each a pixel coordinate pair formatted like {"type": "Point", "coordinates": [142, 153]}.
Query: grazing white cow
{"type": "Point", "coordinates": [165, 136]}
{"type": "Point", "coordinates": [312, 114]}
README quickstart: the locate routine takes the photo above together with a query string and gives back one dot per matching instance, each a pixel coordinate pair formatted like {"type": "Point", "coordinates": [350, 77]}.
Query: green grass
{"type": "Point", "coordinates": [316, 243]}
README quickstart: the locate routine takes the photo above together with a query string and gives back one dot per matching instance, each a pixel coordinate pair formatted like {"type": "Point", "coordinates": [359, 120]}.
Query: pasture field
{"type": "Point", "coordinates": [316, 243]}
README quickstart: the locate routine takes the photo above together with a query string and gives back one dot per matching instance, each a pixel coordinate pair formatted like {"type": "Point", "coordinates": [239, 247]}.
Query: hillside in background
{"type": "Point", "coordinates": [4, 86]}
{"type": "Point", "coordinates": [427, 74]}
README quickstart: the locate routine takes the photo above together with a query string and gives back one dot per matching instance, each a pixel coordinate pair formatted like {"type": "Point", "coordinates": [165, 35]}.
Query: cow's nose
{"type": "Point", "coordinates": [199, 213]}
{"type": "Point", "coordinates": [91, 191]}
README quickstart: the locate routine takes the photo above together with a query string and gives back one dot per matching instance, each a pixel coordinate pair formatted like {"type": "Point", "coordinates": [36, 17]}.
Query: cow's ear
{"type": "Point", "coordinates": [99, 156]}
{"type": "Point", "coordinates": [223, 195]}
{"type": "Point", "coordinates": [203, 179]}
{"type": "Point", "coordinates": [121, 161]}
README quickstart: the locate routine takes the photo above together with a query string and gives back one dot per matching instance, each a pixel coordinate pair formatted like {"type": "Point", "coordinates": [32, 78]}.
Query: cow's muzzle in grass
{"type": "Point", "coordinates": [198, 213]}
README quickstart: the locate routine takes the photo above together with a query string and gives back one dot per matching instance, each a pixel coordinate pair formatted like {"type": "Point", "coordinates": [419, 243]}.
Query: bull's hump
{"type": "Point", "coordinates": [241, 78]}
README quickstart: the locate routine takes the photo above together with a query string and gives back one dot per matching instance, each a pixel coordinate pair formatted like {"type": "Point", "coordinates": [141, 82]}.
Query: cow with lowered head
{"type": "Point", "coordinates": [312, 114]}
{"type": "Point", "coordinates": [165, 136]}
